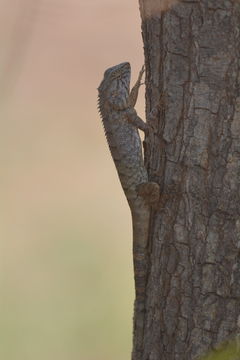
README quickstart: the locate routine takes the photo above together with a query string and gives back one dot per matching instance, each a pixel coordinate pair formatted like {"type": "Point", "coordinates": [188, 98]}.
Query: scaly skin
{"type": "Point", "coordinates": [121, 124]}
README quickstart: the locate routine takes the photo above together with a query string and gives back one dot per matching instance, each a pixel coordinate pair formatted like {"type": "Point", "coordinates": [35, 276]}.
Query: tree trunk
{"type": "Point", "coordinates": [192, 69]}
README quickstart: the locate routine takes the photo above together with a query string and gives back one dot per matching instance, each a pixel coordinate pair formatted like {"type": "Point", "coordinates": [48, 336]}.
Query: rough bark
{"type": "Point", "coordinates": [192, 69]}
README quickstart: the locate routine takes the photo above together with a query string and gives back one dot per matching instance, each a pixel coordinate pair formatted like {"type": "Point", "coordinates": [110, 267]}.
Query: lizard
{"type": "Point", "coordinates": [121, 124]}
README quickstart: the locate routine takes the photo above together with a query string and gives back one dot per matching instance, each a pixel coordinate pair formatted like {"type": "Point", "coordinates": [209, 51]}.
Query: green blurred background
{"type": "Point", "coordinates": [66, 287]}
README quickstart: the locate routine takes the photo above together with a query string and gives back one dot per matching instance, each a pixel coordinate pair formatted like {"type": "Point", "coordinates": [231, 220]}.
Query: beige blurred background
{"type": "Point", "coordinates": [66, 288]}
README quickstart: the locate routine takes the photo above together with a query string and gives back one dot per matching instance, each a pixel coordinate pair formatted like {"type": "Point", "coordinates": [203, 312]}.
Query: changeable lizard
{"type": "Point", "coordinates": [121, 123]}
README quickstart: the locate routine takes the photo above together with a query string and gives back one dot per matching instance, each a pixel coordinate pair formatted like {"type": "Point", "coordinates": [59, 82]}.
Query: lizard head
{"type": "Point", "coordinates": [115, 84]}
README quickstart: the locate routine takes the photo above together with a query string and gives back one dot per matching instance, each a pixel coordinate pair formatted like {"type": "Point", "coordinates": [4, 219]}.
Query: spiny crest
{"type": "Point", "coordinates": [100, 106]}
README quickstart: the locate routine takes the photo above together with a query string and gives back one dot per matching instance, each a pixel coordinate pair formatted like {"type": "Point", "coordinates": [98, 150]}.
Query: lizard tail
{"type": "Point", "coordinates": [140, 218]}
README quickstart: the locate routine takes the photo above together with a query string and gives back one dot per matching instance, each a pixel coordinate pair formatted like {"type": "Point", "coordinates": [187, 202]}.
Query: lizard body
{"type": "Point", "coordinates": [121, 123]}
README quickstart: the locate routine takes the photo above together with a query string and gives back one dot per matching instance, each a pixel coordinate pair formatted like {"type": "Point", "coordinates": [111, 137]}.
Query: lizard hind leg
{"type": "Point", "coordinates": [150, 192]}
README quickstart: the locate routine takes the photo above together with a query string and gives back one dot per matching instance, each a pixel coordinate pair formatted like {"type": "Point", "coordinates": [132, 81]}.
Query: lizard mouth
{"type": "Point", "coordinates": [126, 66]}
{"type": "Point", "coordinates": [125, 70]}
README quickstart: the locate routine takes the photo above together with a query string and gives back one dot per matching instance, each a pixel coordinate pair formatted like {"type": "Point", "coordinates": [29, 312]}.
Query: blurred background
{"type": "Point", "coordinates": [66, 282]}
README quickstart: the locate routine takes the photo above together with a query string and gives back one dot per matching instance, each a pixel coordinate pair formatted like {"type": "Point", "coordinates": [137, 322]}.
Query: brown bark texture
{"type": "Point", "coordinates": [193, 285]}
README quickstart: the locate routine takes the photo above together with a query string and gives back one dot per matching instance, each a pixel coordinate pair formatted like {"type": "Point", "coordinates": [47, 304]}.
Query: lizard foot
{"type": "Point", "coordinates": [150, 192]}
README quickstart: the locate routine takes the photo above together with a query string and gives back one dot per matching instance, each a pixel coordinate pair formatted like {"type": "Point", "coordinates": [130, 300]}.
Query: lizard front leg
{"type": "Point", "coordinates": [134, 92]}
{"type": "Point", "coordinates": [133, 118]}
